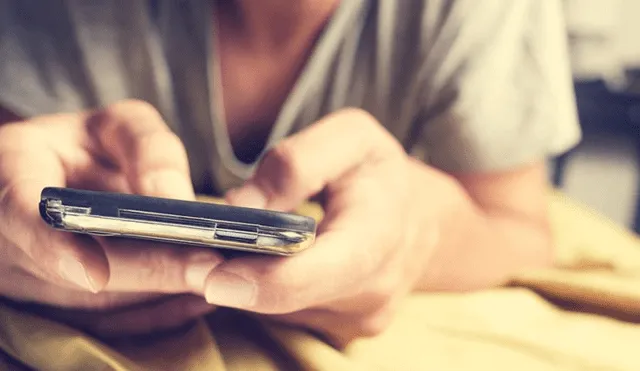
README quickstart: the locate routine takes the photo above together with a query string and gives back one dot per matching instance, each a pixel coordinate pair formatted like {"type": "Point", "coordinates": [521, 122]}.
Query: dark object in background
{"type": "Point", "coordinates": [603, 111]}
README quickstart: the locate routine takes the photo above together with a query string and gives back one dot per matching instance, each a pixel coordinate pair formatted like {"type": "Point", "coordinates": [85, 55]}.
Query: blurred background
{"type": "Point", "coordinates": [604, 170]}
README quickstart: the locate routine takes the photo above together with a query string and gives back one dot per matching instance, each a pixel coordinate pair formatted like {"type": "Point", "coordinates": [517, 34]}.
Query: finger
{"type": "Point", "coordinates": [143, 318]}
{"type": "Point", "coordinates": [100, 178]}
{"type": "Point", "coordinates": [302, 165]}
{"type": "Point", "coordinates": [338, 265]}
{"type": "Point", "coordinates": [274, 285]}
{"type": "Point", "coordinates": [33, 289]}
{"type": "Point", "coordinates": [134, 136]}
{"type": "Point", "coordinates": [161, 317]}
{"type": "Point", "coordinates": [340, 328]}
{"type": "Point", "coordinates": [59, 257]}
{"type": "Point", "coordinates": [338, 331]}
{"type": "Point", "coordinates": [157, 267]}
{"type": "Point", "coordinates": [333, 329]}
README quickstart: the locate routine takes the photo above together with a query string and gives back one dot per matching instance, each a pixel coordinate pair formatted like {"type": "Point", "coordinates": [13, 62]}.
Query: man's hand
{"type": "Point", "coordinates": [391, 225]}
{"type": "Point", "coordinates": [123, 148]}
{"type": "Point", "coordinates": [366, 256]}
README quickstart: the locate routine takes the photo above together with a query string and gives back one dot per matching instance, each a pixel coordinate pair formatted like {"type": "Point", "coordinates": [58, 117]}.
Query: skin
{"type": "Point", "coordinates": [123, 148]}
{"type": "Point", "coordinates": [392, 226]}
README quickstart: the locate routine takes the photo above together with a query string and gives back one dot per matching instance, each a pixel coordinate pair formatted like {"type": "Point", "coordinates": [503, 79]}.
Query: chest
{"type": "Point", "coordinates": [254, 86]}
{"type": "Point", "coordinates": [257, 76]}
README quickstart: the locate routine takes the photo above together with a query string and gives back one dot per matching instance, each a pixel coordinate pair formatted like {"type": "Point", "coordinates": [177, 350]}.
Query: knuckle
{"type": "Point", "coordinates": [385, 289]}
{"type": "Point", "coordinates": [279, 292]}
{"type": "Point", "coordinates": [281, 303]}
{"type": "Point", "coordinates": [148, 143]}
{"type": "Point", "coordinates": [278, 275]}
{"type": "Point", "coordinates": [283, 159]}
{"type": "Point", "coordinates": [170, 142]}
{"type": "Point", "coordinates": [360, 115]}
{"type": "Point", "coordinates": [389, 283]}
{"type": "Point", "coordinates": [124, 120]}
{"type": "Point", "coordinates": [281, 171]}
{"type": "Point", "coordinates": [162, 270]}
{"type": "Point", "coordinates": [374, 131]}
{"type": "Point", "coordinates": [133, 107]}
{"type": "Point", "coordinates": [377, 322]}
{"type": "Point", "coordinates": [158, 147]}
{"type": "Point", "coordinates": [364, 121]}
{"type": "Point", "coordinates": [98, 302]}
{"type": "Point", "coordinates": [139, 150]}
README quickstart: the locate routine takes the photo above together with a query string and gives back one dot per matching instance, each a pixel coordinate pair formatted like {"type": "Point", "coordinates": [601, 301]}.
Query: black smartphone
{"type": "Point", "coordinates": [183, 222]}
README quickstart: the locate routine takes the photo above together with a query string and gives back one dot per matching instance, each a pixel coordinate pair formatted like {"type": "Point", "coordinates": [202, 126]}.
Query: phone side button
{"type": "Point", "coordinates": [102, 234]}
{"type": "Point", "coordinates": [236, 235]}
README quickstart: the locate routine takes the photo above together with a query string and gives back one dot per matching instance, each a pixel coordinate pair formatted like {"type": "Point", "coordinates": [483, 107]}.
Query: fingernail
{"type": "Point", "coordinates": [169, 184]}
{"type": "Point", "coordinates": [248, 195]}
{"type": "Point", "coordinates": [196, 274]}
{"type": "Point", "coordinates": [73, 271]}
{"type": "Point", "coordinates": [230, 290]}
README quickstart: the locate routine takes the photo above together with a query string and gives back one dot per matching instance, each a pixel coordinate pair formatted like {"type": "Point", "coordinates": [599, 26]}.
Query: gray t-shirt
{"type": "Point", "coordinates": [465, 85]}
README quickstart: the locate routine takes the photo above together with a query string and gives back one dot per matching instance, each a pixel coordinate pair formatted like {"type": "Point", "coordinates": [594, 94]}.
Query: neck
{"type": "Point", "coordinates": [275, 23]}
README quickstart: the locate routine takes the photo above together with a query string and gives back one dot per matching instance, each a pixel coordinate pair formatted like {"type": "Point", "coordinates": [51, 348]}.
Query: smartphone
{"type": "Point", "coordinates": [182, 222]}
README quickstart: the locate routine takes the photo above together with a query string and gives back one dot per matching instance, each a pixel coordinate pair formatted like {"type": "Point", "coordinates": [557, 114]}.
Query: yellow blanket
{"type": "Point", "coordinates": [578, 316]}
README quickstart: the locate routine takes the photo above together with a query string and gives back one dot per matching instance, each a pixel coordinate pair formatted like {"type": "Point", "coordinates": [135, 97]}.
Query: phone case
{"type": "Point", "coordinates": [184, 222]}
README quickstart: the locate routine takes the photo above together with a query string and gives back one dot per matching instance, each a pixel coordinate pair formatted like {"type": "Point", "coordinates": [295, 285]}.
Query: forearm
{"type": "Point", "coordinates": [477, 246]}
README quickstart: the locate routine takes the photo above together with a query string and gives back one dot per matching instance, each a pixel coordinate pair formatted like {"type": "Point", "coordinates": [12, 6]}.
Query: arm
{"type": "Point", "coordinates": [497, 101]}
{"type": "Point", "coordinates": [513, 108]}
{"type": "Point", "coordinates": [392, 225]}
{"type": "Point", "coordinates": [490, 225]}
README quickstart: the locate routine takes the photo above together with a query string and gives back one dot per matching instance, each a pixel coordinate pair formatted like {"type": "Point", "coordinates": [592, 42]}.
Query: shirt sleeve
{"type": "Point", "coordinates": [498, 91]}
{"type": "Point", "coordinates": [40, 68]}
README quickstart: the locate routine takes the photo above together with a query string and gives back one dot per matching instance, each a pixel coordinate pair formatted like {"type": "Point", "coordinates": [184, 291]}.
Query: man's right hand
{"type": "Point", "coordinates": [124, 148]}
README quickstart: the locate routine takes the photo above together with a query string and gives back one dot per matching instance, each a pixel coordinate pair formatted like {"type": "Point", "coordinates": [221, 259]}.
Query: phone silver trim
{"type": "Point", "coordinates": [201, 232]}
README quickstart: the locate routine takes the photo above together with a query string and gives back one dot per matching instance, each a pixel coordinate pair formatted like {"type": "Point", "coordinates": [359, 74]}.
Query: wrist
{"type": "Point", "coordinates": [436, 201]}
{"type": "Point", "coordinates": [475, 247]}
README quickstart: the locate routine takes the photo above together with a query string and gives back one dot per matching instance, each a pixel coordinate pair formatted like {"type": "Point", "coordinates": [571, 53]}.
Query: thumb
{"type": "Point", "coordinates": [133, 135]}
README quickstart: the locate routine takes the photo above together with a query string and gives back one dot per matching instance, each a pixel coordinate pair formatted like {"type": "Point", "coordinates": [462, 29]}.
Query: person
{"type": "Point", "coordinates": [421, 126]}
